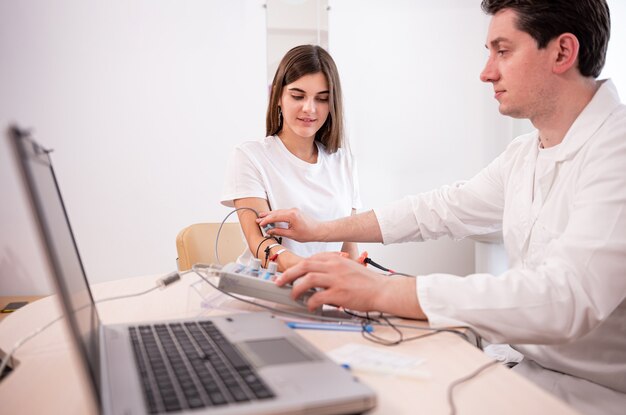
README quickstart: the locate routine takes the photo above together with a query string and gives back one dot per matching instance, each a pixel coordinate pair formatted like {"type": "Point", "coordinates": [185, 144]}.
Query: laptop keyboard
{"type": "Point", "coordinates": [192, 365]}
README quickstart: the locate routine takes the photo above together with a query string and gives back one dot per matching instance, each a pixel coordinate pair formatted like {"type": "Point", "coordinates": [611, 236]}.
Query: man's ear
{"type": "Point", "coordinates": [566, 49]}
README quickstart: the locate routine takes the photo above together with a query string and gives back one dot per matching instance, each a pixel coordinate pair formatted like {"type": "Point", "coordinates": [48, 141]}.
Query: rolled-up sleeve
{"type": "Point", "coordinates": [397, 222]}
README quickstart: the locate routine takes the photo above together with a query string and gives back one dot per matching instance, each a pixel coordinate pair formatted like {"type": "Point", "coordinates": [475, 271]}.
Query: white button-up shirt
{"type": "Point", "coordinates": [562, 303]}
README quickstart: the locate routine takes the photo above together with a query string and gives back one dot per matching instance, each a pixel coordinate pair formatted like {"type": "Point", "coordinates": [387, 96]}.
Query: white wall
{"type": "Point", "coordinates": [291, 23]}
{"type": "Point", "coordinates": [615, 67]}
{"type": "Point", "coordinates": [141, 101]}
{"type": "Point", "coordinates": [419, 116]}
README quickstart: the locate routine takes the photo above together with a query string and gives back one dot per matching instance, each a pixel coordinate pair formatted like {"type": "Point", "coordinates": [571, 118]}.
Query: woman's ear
{"type": "Point", "coordinates": [567, 47]}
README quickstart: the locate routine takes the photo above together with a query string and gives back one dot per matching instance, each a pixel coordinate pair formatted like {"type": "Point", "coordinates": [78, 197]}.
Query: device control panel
{"type": "Point", "coordinates": [257, 282]}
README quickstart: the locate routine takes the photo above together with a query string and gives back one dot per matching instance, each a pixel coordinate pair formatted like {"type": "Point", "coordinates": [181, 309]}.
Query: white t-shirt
{"type": "Point", "coordinates": [325, 190]}
{"type": "Point", "coordinates": [545, 160]}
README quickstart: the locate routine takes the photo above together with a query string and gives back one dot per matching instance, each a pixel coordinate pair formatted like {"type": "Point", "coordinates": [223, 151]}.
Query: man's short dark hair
{"type": "Point", "coordinates": [544, 20]}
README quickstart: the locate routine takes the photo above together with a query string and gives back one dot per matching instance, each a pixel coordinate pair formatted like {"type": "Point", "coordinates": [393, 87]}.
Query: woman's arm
{"type": "Point", "coordinates": [254, 236]}
{"type": "Point", "coordinates": [351, 248]}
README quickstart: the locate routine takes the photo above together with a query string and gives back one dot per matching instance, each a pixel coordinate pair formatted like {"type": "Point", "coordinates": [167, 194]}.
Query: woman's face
{"type": "Point", "coordinates": [304, 104]}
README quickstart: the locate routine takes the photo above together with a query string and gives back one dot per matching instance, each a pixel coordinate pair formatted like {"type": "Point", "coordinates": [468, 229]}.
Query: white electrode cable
{"type": "Point", "coordinates": [160, 283]}
{"type": "Point", "coordinates": [219, 230]}
{"type": "Point", "coordinates": [17, 345]}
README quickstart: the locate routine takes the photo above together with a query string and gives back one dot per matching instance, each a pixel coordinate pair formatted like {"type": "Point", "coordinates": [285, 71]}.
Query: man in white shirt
{"type": "Point", "coordinates": [558, 195]}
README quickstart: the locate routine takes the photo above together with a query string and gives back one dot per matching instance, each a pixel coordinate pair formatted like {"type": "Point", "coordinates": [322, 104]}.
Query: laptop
{"type": "Point", "coordinates": [246, 363]}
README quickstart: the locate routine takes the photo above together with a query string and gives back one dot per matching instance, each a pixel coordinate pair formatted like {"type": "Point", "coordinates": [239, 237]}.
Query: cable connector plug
{"type": "Point", "coordinates": [364, 260]}
{"type": "Point", "coordinates": [170, 278]}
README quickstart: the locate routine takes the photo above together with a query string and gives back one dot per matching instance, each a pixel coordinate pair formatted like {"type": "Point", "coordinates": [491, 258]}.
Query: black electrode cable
{"type": "Point", "coordinates": [369, 260]}
{"type": "Point", "coordinates": [219, 230]}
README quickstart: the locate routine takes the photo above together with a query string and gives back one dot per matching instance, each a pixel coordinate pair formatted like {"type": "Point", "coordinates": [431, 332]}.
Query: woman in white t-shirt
{"type": "Point", "coordinates": [301, 163]}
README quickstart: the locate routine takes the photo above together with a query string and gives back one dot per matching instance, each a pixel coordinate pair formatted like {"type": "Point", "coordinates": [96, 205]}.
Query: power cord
{"type": "Point", "coordinates": [368, 335]}
{"type": "Point", "coordinates": [465, 379]}
{"type": "Point", "coordinates": [19, 343]}
{"type": "Point", "coordinates": [160, 283]}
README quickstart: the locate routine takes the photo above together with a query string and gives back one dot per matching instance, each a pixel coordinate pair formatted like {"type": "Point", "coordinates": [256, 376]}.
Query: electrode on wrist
{"type": "Point", "coordinates": [271, 246]}
{"type": "Point", "coordinates": [267, 252]}
{"type": "Point", "coordinates": [280, 251]}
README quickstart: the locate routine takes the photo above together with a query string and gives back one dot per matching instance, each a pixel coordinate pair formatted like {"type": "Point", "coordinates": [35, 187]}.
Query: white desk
{"type": "Point", "coordinates": [47, 379]}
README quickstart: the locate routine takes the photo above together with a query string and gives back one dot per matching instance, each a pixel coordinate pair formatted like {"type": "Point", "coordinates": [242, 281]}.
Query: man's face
{"type": "Point", "coordinates": [519, 71]}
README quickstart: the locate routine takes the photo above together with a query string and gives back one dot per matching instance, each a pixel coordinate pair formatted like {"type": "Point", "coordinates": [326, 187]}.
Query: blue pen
{"type": "Point", "coordinates": [329, 326]}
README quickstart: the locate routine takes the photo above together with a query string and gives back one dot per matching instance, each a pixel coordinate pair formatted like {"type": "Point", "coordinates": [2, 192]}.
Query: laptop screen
{"type": "Point", "coordinates": [60, 245]}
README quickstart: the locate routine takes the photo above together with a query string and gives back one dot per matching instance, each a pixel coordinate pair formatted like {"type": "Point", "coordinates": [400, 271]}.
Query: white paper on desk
{"type": "Point", "coordinates": [373, 360]}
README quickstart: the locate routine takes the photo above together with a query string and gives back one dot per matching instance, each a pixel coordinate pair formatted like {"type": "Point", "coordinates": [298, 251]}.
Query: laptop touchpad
{"type": "Point", "coordinates": [269, 352]}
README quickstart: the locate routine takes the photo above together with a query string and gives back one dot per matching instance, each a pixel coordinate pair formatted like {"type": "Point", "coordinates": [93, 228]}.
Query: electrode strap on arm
{"type": "Point", "coordinates": [280, 251]}
{"type": "Point", "coordinates": [271, 246]}
{"type": "Point", "coordinates": [267, 252]}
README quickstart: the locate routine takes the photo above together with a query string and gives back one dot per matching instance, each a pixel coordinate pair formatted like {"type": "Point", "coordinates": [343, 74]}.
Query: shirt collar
{"type": "Point", "coordinates": [603, 103]}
